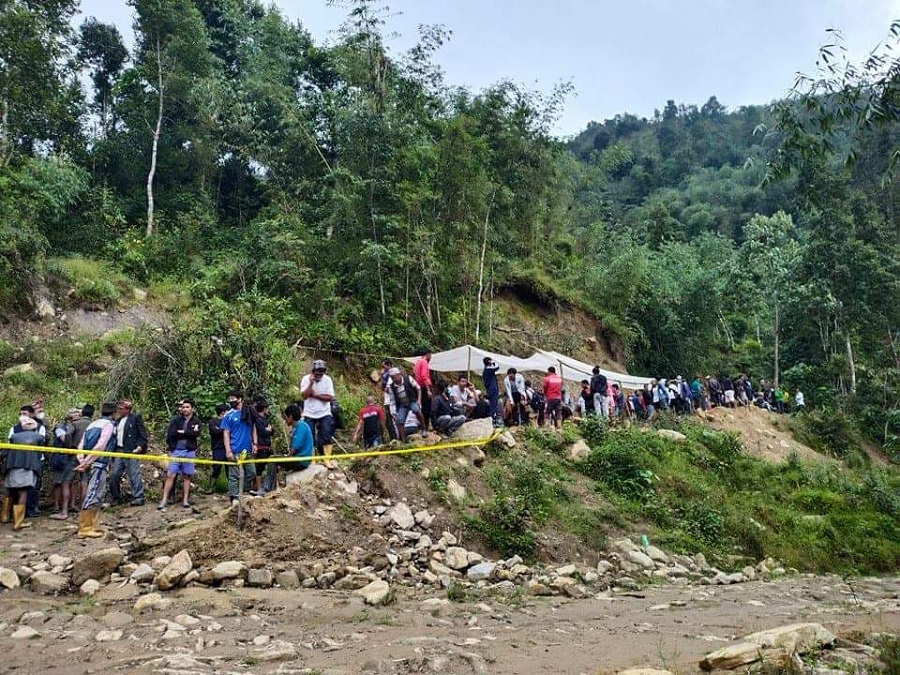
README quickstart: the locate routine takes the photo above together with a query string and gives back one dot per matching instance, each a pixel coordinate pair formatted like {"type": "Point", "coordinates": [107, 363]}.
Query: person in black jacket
{"type": "Point", "coordinates": [444, 418]}
{"type": "Point", "coordinates": [181, 438]}
{"type": "Point", "coordinates": [21, 470]}
{"type": "Point", "coordinates": [217, 445]}
{"type": "Point", "coordinates": [131, 437]}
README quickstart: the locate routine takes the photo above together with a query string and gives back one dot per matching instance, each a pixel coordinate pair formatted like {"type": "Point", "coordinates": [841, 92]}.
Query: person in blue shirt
{"type": "Point", "coordinates": [301, 446]}
{"type": "Point", "coordinates": [236, 429]}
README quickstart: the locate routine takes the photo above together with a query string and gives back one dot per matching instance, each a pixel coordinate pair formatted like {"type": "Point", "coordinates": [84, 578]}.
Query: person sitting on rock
{"type": "Point", "coordinates": [444, 418]}
{"type": "Point", "coordinates": [301, 447]}
{"type": "Point", "coordinates": [463, 396]}
{"type": "Point", "coordinates": [181, 437]}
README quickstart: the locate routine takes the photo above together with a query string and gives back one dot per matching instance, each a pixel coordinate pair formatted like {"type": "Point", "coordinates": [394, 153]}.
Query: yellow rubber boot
{"type": "Point", "coordinates": [85, 525]}
{"type": "Point", "coordinates": [19, 517]}
{"type": "Point", "coordinates": [95, 522]}
{"type": "Point", "coordinates": [5, 509]}
{"type": "Point", "coordinates": [326, 449]}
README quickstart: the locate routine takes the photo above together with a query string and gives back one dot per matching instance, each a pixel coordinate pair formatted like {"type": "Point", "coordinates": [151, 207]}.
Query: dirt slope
{"type": "Point", "coordinates": [764, 434]}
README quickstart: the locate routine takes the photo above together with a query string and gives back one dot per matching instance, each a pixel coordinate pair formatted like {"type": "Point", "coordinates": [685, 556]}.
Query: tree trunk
{"type": "Point", "coordinates": [4, 134]}
{"type": "Point", "coordinates": [487, 217]}
{"type": "Point", "coordinates": [851, 364]}
{"type": "Point", "coordinates": [156, 133]}
{"type": "Point", "coordinates": [777, 344]}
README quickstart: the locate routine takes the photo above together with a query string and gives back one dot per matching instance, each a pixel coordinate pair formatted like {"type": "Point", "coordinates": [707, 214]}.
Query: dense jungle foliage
{"type": "Point", "coordinates": [347, 197]}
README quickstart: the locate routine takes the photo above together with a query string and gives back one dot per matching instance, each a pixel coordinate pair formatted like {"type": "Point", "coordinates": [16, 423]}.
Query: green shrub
{"type": "Point", "coordinates": [594, 429]}
{"type": "Point", "coordinates": [90, 281]}
{"type": "Point", "coordinates": [622, 463]}
{"type": "Point", "coordinates": [506, 526]}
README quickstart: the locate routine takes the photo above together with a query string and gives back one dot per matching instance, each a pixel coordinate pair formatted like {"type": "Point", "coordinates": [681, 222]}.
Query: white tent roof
{"type": "Point", "coordinates": [467, 357]}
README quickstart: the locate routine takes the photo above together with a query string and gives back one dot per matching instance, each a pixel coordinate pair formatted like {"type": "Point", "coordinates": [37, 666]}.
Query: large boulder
{"type": "Point", "coordinates": [456, 558]}
{"type": "Point", "coordinates": [640, 558]}
{"type": "Point", "coordinates": [672, 435]}
{"type": "Point", "coordinates": [174, 570]}
{"type": "Point", "coordinates": [475, 430]}
{"type": "Point", "coordinates": [578, 450]}
{"type": "Point", "coordinates": [307, 475]}
{"type": "Point", "coordinates": [401, 515]}
{"type": "Point", "coordinates": [97, 565]}
{"type": "Point", "coordinates": [230, 569]}
{"type": "Point", "coordinates": [8, 578]}
{"type": "Point", "coordinates": [796, 637]}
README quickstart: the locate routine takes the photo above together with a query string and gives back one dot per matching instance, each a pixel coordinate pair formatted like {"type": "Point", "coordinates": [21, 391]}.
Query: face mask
{"type": "Point", "coordinates": [233, 404]}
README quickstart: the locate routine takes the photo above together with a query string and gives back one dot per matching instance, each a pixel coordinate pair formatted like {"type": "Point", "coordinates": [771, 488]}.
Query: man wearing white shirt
{"type": "Point", "coordinates": [317, 391]}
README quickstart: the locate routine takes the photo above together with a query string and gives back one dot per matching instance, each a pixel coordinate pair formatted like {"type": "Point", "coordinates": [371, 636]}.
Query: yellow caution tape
{"type": "Point", "coordinates": [243, 459]}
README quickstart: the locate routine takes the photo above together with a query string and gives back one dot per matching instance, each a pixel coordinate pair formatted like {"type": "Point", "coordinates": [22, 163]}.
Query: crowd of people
{"type": "Point", "coordinates": [411, 404]}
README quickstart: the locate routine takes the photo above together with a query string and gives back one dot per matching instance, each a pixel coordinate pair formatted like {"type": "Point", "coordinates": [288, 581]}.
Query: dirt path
{"type": "Point", "coordinates": [213, 631]}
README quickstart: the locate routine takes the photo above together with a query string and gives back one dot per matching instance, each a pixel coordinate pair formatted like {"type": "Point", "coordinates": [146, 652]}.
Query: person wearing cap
{"type": "Point", "coordinates": [317, 392]}
{"type": "Point", "coordinates": [131, 438]}
{"type": "Point", "coordinates": [237, 434]}
{"type": "Point", "coordinates": [181, 437]}
{"type": "Point", "coordinates": [406, 396]}
{"type": "Point", "coordinates": [34, 410]}
{"type": "Point", "coordinates": [21, 471]}
{"type": "Point", "coordinates": [99, 435]}
{"type": "Point", "coordinates": [62, 465]}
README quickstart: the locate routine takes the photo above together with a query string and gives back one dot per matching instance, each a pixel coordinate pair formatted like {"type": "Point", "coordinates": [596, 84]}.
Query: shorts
{"type": "Point", "coordinates": [177, 467]}
{"type": "Point", "coordinates": [263, 451]}
{"type": "Point", "coordinates": [63, 475]}
{"type": "Point", "coordinates": [554, 405]}
{"type": "Point", "coordinates": [729, 396]}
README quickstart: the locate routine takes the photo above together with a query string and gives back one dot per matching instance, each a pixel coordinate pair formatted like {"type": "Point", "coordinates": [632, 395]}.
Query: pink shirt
{"type": "Point", "coordinates": [421, 373]}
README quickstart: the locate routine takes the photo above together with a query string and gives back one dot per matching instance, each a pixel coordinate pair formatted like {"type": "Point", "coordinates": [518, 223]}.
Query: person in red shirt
{"type": "Point", "coordinates": [370, 423]}
{"type": "Point", "coordinates": [552, 386]}
{"type": "Point", "coordinates": [422, 376]}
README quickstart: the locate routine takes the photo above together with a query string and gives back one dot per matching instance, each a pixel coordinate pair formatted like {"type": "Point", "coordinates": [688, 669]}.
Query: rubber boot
{"type": "Point", "coordinates": [5, 509]}
{"type": "Point", "coordinates": [85, 525]}
{"type": "Point", "coordinates": [19, 517]}
{"type": "Point", "coordinates": [95, 522]}
{"type": "Point", "coordinates": [326, 449]}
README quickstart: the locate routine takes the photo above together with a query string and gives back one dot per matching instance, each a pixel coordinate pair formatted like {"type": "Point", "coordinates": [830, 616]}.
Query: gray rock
{"type": "Point", "coordinates": [18, 369]}
{"type": "Point", "coordinates": [97, 565]}
{"type": "Point", "coordinates": [310, 473]}
{"type": "Point", "coordinates": [456, 558]}
{"type": "Point", "coordinates": [640, 558]}
{"type": "Point", "coordinates": [174, 570]}
{"type": "Point", "coordinates": [506, 439]}
{"type": "Point", "coordinates": [671, 435]}
{"type": "Point", "coordinates": [566, 570]}
{"type": "Point", "coordinates": [657, 555]}
{"type": "Point", "coordinates": [538, 589]}
{"type": "Point", "coordinates": [578, 450]}
{"type": "Point", "coordinates": [276, 651]}
{"type": "Point", "coordinates": [109, 636]}
{"type": "Point", "coordinates": [48, 583]}
{"type": "Point", "coordinates": [143, 573]}
{"type": "Point", "coordinates": [261, 578]}
{"type": "Point", "coordinates": [423, 519]}
{"type": "Point", "coordinates": [375, 593]}
{"type": "Point", "coordinates": [229, 569]}
{"type": "Point", "coordinates": [89, 587]}
{"type": "Point", "coordinates": [475, 430]}
{"type": "Point", "coordinates": [457, 491]}
{"type": "Point", "coordinates": [25, 633]}
{"type": "Point", "coordinates": [152, 601]}
{"type": "Point", "coordinates": [352, 582]}
{"type": "Point", "coordinates": [401, 516]}
{"type": "Point", "coordinates": [8, 578]}
{"type": "Point", "coordinates": [481, 571]}
{"type": "Point", "coordinates": [287, 579]}
{"type": "Point", "coordinates": [59, 561]}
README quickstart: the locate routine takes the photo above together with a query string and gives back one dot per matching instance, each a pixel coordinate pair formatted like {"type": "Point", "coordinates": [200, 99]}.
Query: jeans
{"type": "Point", "coordinates": [322, 428]}
{"type": "Point", "coordinates": [234, 473]}
{"type": "Point", "coordinates": [133, 468]}
{"type": "Point", "coordinates": [494, 401]}
{"type": "Point", "coordinates": [96, 487]}
{"type": "Point", "coordinates": [270, 480]}
{"type": "Point", "coordinates": [601, 405]}
{"type": "Point", "coordinates": [447, 424]}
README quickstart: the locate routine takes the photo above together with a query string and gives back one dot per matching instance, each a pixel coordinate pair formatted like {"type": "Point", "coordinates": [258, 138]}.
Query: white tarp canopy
{"type": "Point", "coordinates": [467, 357]}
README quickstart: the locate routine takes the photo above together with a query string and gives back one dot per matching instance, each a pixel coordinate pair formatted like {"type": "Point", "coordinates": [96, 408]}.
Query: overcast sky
{"type": "Point", "coordinates": [627, 55]}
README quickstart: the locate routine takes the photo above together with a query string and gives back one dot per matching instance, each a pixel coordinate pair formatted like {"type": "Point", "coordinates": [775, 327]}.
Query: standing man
{"type": "Point", "coordinates": [422, 375]}
{"type": "Point", "coordinates": [21, 470]}
{"type": "Point", "coordinates": [386, 365]}
{"type": "Point", "coordinates": [100, 435]}
{"type": "Point", "coordinates": [216, 445]}
{"type": "Point", "coordinates": [131, 438]}
{"type": "Point", "coordinates": [552, 386]}
{"type": "Point", "coordinates": [317, 392]}
{"type": "Point", "coordinates": [598, 389]}
{"type": "Point", "coordinates": [237, 436]}
{"type": "Point", "coordinates": [181, 437]}
{"type": "Point", "coordinates": [491, 388]}
{"type": "Point", "coordinates": [78, 485]}
{"type": "Point", "coordinates": [62, 466]}
{"type": "Point", "coordinates": [515, 396]}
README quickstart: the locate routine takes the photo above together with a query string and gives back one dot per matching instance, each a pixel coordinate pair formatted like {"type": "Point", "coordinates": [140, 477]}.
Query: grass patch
{"type": "Point", "coordinates": [90, 281]}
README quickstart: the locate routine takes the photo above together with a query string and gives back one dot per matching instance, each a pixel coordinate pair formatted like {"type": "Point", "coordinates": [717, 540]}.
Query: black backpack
{"type": "Point", "coordinates": [537, 401]}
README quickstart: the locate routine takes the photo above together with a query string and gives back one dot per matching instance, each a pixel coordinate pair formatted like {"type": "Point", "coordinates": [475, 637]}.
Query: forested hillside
{"type": "Point", "coordinates": [277, 190]}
